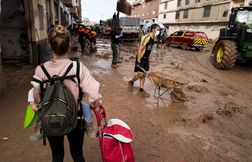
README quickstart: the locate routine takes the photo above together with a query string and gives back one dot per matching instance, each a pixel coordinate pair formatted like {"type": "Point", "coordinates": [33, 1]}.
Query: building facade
{"type": "Point", "coordinates": [146, 10]}
{"type": "Point", "coordinates": [24, 26]}
{"type": "Point", "coordinates": [198, 15]}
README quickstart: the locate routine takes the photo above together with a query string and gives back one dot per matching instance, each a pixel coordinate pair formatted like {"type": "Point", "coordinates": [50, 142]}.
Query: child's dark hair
{"type": "Point", "coordinates": [59, 40]}
{"type": "Point", "coordinates": [154, 26]}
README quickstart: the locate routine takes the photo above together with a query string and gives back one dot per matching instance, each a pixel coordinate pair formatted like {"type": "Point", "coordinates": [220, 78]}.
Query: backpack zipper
{"type": "Point", "coordinates": [61, 100]}
{"type": "Point", "coordinates": [55, 115]}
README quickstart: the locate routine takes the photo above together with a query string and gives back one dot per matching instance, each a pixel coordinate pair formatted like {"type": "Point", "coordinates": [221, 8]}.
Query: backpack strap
{"type": "Point", "coordinates": [45, 71]}
{"type": "Point", "coordinates": [78, 79]}
{"type": "Point", "coordinates": [68, 70]}
{"type": "Point", "coordinates": [78, 71]}
{"type": "Point", "coordinates": [81, 94]}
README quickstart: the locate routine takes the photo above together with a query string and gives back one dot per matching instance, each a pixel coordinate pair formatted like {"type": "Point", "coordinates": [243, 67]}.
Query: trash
{"type": "Point", "coordinates": [206, 118]}
{"type": "Point", "coordinates": [198, 89]}
{"type": "Point", "coordinates": [5, 139]}
{"type": "Point", "coordinates": [203, 80]}
{"type": "Point", "coordinates": [175, 64]}
{"type": "Point", "coordinates": [229, 110]}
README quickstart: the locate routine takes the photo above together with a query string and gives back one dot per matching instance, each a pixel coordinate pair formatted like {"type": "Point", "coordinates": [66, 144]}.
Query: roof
{"type": "Point", "coordinates": [191, 31]}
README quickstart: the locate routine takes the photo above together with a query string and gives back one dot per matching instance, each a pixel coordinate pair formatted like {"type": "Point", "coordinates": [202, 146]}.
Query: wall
{"type": "Point", "coordinates": [169, 12]}
{"type": "Point", "coordinates": [2, 80]}
{"type": "Point", "coordinates": [196, 14]}
{"type": "Point", "coordinates": [38, 30]}
{"type": "Point", "coordinates": [12, 24]}
{"type": "Point", "coordinates": [3, 87]}
{"type": "Point", "coordinates": [212, 31]}
{"type": "Point", "coordinates": [195, 21]}
{"type": "Point", "coordinates": [65, 15]}
{"type": "Point", "coordinates": [147, 10]}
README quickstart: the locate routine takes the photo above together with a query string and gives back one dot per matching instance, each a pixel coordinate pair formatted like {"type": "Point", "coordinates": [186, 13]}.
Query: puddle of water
{"type": "Point", "coordinates": [168, 114]}
{"type": "Point", "coordinates": [126, 78]}
{"type": "Point", "coordinates": [101, 66]}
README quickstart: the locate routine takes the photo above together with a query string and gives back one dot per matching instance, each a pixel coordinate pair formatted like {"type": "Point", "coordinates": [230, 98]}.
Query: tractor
{"type": "Point", "coordinates": [235, 41]}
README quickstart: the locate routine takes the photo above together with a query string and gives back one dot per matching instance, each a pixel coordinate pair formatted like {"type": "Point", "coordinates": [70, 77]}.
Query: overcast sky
{"type": "Point", "coordinates": [96, 10]}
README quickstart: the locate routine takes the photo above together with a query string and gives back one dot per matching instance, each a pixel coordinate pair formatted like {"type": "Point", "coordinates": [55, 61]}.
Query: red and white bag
{"type": "Point", "coordinates": [114, 138]}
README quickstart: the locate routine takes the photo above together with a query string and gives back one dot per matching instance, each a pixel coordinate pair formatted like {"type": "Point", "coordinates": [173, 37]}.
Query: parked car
{"type": "Point", "coordinates": [188, 39]}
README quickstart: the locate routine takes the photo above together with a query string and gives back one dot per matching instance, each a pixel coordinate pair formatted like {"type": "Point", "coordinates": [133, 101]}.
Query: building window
{"type": "Point", "coordinates": [177, 14]}
{"type": "Point", "coordinates": [185, 16]}
{"type": "Point", "coordinates": [164, 16]}
{"type": "Point", "coordinates": [165, 6]}
{"type": "Point", "coordinates": [153, 12]}
{"type": "Point", "coordinates": [41, 17]}
{"type": "Point", "coordinates": [197, 1]}
{"type": "Point", "coordinates": [179, 33]}
{"type": "Point", "coordinates": [179, 3]}
{"type": "Point", "coordinates": [207, 11]}
{"type": "Point", "coordinates": [187, 2]}
{"type": "Point", "coordinates": [225, 14]}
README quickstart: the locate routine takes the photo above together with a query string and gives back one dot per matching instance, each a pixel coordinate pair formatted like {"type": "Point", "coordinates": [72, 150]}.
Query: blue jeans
{"type": "Point", "coordinates": [87, 115]}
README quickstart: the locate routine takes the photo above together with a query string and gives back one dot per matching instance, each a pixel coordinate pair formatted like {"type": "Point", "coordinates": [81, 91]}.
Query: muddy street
{"type": "Point", "coordinates": [212, 126]}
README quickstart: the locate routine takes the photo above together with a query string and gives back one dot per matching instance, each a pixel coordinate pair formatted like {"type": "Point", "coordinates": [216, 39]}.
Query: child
{"type": "Point", "coordinates": [87, 116]}
{"type": "Point", "coordinates": [37, 135]}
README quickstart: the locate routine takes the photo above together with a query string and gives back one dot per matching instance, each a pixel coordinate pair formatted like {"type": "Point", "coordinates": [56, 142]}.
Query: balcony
{"type": "Point", "coordinates": [69, 3]}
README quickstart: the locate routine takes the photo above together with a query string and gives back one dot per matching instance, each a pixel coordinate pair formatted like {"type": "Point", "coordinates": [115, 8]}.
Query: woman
{"type": "Point", "coordinates": [59, 40]}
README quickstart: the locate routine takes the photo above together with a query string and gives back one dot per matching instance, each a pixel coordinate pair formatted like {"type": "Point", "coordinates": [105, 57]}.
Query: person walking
{"type": "Point", "coordinates": [142, 59]}
{"type": "Point", "coordinates": [59, 40]}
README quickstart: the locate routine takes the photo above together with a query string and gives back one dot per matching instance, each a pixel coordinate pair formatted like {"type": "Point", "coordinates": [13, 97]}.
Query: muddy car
{"type": "Point", "coordinates": [188, 39]}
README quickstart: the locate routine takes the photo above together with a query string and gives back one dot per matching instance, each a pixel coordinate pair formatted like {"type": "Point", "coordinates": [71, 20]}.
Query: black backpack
{"type": "Point", "coordinates": [58, 114]}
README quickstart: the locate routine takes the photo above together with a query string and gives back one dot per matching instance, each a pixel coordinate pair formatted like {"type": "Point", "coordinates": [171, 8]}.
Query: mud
{"type": "Point", "coordinates": [213, 126]}
{"type": "Point", "coordinates": [198, 89]}
{"type": "Point", "coordinates": [230, 110]}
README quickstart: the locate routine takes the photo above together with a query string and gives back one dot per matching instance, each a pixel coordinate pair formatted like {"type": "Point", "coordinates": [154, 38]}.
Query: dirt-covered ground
{"type": "Point", "coordinates": [213, 126]}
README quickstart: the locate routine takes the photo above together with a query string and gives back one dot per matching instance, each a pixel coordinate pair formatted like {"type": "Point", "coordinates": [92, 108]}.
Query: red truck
{"type": "Point", "coordinates": [188, 39]}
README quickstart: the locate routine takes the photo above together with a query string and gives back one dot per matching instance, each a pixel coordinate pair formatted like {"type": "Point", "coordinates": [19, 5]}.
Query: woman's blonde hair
{"type": "Point", "coordinates": [59, 40]}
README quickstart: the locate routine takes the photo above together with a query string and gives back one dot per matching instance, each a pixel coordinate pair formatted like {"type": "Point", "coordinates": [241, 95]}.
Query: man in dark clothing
{"type": "Point", "coordinates": [115, 40]}
{"type": "Point", "coordinates": [80, 38]}
{"type": "Point", "coordinates": [142, 59]}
